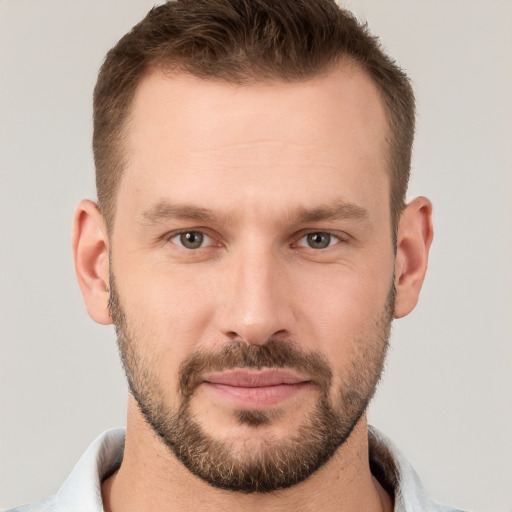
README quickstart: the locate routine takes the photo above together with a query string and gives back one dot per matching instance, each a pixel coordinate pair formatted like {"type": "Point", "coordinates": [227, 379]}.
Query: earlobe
{"type": "Point", "coordinates": [414, 238]}
{"type": "Point", "coordinates": [90, 254]}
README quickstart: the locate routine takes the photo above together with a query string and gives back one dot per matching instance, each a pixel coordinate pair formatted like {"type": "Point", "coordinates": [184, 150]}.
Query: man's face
{"type": "Point", "coordinates": [252, 269]}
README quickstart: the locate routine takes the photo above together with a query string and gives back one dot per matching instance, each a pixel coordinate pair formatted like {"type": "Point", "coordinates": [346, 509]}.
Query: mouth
{"type": "Point", "coordinates": [255, 389]}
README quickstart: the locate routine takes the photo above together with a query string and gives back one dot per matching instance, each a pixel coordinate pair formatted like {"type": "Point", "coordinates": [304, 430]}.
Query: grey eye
{"type": "Point", "coordinates": [190, 239]}
{"type": "Point", "coordinates": [318, 240]}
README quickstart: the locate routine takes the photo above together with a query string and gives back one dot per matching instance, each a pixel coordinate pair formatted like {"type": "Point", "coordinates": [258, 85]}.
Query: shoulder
{"type": "Point", "coordinates": [45, 505]}
{"type": "Point", "coordinates": [398, 477]}
{"type": "Point", "coordinates": [81, 492]}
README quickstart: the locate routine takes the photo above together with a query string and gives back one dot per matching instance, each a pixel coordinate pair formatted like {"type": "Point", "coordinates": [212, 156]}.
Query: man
{"type": "Point", "coordinates": [251, 245]}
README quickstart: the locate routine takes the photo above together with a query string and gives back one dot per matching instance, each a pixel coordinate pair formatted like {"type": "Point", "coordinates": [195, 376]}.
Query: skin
{"type": "Point", "coordinates": [257, 156]}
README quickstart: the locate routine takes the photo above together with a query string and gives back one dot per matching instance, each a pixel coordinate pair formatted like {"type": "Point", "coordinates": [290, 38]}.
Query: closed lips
{"type": "Point", "coordinates": [254, 379]}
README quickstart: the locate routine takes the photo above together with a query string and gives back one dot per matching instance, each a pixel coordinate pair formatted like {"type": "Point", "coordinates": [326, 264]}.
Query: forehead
{"type": "Point", "coordinates": [191, 138]}
{"type": "Point", "coordinates": [344, 100]}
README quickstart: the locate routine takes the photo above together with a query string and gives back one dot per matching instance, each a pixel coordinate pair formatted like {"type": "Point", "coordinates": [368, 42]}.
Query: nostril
{"type": "Point", "coordinates": [257, 339]}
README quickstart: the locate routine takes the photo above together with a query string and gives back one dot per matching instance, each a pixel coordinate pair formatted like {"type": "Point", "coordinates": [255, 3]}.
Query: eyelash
{"type": "Point", "coordinates": [337, 238]}
{"type": "Point", "coordinates": [176, 234]}
{"type": "Point", "coordinates": [303, 235]}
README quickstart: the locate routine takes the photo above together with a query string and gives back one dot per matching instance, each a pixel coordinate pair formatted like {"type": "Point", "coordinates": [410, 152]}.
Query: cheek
{"type": "Point", "coordinates": [167, 316]}
{"type": "Point", "coordinates": [161, 295]}
{"type": "Point", "coordinates": [343, 313]}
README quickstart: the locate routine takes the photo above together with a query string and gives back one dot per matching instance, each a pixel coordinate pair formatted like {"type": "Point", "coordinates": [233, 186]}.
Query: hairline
{"type": "Point", "coordinates": [172, 69]}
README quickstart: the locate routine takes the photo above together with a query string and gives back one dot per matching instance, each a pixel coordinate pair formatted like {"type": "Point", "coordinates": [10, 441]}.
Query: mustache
{"type": "Point", "coordinates": [275, 353]}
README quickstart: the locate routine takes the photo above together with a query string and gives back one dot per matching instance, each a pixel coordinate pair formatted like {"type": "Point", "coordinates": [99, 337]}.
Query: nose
{"type": "Point", "coordinates": [257, 298]}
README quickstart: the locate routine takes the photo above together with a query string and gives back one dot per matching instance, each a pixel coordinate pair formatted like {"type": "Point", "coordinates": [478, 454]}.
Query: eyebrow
{"type": "Point", "coordinates": [168, 211]}
{"type": "Point", "coordinates": [340, 210]}
{"type": "Point", "coordinates": [164, 210]}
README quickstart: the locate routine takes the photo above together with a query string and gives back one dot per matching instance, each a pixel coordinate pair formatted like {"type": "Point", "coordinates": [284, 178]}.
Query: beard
{"type": "Point", "coordinates": [272, 464]}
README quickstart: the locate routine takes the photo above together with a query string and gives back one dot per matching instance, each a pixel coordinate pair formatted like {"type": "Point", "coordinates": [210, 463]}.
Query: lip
{"type": "Point", "coordinates": [256, 389]}
{"type": "Point", "coordinates": [254, 378]}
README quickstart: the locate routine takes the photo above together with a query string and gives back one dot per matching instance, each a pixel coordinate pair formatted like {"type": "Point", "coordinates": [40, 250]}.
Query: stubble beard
{"type": "Point", "coordinates": [276, 463]}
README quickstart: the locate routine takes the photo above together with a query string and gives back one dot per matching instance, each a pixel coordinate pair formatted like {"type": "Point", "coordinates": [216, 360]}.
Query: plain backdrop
{"type": "Point", "coordinates": [446, 397]}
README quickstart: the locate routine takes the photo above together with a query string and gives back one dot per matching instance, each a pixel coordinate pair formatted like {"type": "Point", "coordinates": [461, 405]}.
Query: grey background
{"type": "Point", "coordinates": [447, 392]}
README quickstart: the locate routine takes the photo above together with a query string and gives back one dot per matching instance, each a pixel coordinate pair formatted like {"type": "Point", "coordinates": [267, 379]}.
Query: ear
{"type": "Point", "coordinates": [414, 238]}
{"type": "Point", "coordinates": [90, 253]}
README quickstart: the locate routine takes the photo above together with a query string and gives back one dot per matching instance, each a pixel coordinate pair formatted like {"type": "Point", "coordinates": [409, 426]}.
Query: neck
{"type": "Point", "coordinates": [152, 478]}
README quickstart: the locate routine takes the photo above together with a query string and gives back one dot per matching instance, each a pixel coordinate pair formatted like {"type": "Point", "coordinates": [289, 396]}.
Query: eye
{"type": "Point", "coordinates": [191, 239]}
{"type": "Point", "coordinates": [318, 240]}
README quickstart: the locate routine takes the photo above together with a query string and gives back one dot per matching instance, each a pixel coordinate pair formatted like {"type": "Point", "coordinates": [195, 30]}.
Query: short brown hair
{"type": "Point", "coordinates": [241, 41]}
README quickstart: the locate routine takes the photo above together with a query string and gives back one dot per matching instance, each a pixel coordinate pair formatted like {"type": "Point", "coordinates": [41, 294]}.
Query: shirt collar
{"type": "Point", "coordinates": [81, 492]}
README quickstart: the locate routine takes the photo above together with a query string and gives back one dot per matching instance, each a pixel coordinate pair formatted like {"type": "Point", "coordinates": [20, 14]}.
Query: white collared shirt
{"type": "Point", "coordinates": [81, 492]}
